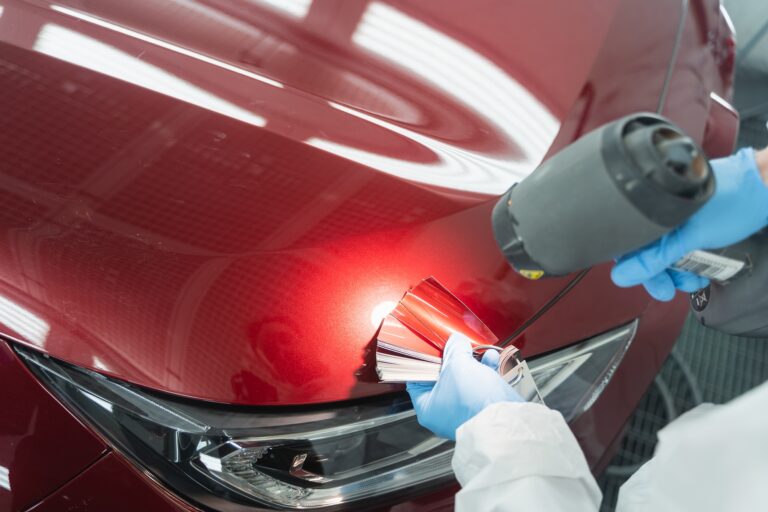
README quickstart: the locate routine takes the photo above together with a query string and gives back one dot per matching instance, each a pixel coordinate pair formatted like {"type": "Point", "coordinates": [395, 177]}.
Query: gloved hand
{"type": "Point", "coordinates": [465, 387]}
{"type": "Point", "coordinates": [738, 209]}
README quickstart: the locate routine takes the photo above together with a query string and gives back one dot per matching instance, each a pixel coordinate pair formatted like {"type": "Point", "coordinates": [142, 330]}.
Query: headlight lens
{"type": "Point", "coordinates": [571, 379]}
{"type": "Point", "coordinates": [312, 458]}
{"type": "Point", "coordinates": [267, 456]}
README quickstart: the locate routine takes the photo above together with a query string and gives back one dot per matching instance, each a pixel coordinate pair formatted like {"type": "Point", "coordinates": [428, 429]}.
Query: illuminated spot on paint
{"type": "Point", "coordinates": [380, 311]}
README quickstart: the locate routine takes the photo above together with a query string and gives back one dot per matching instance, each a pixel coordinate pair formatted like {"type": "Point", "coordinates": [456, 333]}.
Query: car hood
{"type": "Point", "coordinates": [222, 201]}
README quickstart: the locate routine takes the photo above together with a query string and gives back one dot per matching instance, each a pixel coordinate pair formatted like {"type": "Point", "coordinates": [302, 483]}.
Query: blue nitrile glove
{"type": "Point", "coordinates": [465, 387]}
{"type": "Point", "coordinates": [738, 209]}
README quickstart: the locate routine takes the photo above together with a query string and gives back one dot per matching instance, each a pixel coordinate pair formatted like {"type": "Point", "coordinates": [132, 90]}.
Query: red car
{"type": "Point", "coordinates": [207, 206]}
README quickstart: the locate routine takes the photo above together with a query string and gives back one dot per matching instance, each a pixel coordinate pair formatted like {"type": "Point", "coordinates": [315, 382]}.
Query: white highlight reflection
{"type": "Point", "coordinates": [471, 78]}
{"type": "Point", "coordinates": [81, 50]}
{"type": "Point", "coordinates": [380, 311]}
{"type": "Point", "coordinates": [295, 8]}
{"type": "Point", "coordinates": [461, 72]}
{"type": "Point", "coordinates": [99, 401]}
{"type": "Point", "coordinates": [27, 324]}
{"type": "Point", "coordinates": [98, 363]}
{"type": "Point", "coordinates": [455, 168]}
{"type": "Point", "coordinates": [5, 481]}
{"type": "Point", "coordinates": [210, 462]}
{"type": "Point", "coordinates": [164, 44]}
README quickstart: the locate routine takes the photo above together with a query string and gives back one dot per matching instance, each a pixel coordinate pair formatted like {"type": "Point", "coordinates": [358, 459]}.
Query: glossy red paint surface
{"type": "Point", "coordinates": [42, 446]}
{"type": "Point", "coordinates": [218, 198]}
{"type": "Point", "coordinates": [112, 484]}
{"type": "Point", "coordinates": [179, 248]}
{"type": "Point", "coordinates": [699, 71]}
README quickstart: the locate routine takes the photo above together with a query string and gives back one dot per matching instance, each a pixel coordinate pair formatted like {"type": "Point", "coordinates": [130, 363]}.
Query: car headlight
{"type": "Point", "coordinates": [298, 458]}
{"type": "Point", "coordinates": [571, 379]}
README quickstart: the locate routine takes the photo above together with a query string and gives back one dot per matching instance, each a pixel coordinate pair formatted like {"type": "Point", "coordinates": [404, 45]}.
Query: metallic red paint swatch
{"type": "Point", "coordinates": [433, 313]}
{"type": "Point", "coordinates": [395, 336]}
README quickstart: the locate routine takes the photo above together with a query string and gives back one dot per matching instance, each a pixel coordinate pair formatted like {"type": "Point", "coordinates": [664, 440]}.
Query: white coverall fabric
{"type": "Point", "coordinates": [522, 456]}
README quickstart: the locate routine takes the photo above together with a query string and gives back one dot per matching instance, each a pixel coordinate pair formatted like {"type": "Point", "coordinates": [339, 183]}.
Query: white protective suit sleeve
{"type": "Point", "coordinates": [519, 456]}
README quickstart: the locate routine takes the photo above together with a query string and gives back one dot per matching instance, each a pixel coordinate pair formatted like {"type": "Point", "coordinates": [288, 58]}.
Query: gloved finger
{"type": "Point", "coordinates": [688, 282]}
{"type": "Point", "coordinates": [458, 346]}
{"type": "Point", "coordinates": [660, 287]}
{"type": "Point", "coordinates": [419, 393]}
{"type": "Point", "coordinates": [639, 266]}
{"type": "Point", "coordinates": [491, 359]}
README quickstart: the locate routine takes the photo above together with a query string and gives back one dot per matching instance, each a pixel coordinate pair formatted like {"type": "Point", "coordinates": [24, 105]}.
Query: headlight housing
{"type": "Point", "coordinates": [571, 379]}
{"type": "Point", "coordinates": [300, 458]}
{"type": "Point", "coordinates": [278, 457]}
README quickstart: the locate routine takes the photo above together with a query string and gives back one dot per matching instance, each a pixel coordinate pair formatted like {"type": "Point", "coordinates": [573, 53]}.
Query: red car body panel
{"type": "Point", "coordinates": [128, 490]}
{"type": "Point", "coordinates": [217, 199]}
{"type": "Point", "coordinates": [207, 253]}
{"type": "Point", "coordinates": [41, 444]}
{"type": "Point", "coordinates": [180, 249]}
